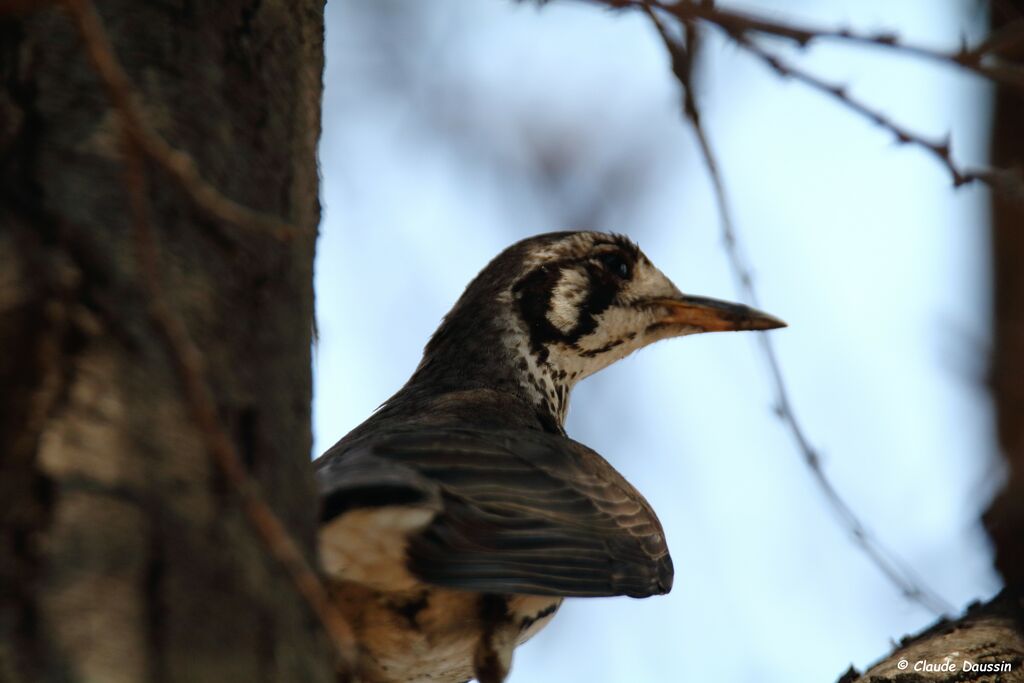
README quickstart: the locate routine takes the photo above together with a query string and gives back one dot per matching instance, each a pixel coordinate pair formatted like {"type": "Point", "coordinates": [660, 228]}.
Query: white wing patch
{"type": "Point", "coordinates": [568, 295]}
{"type": "Point", "coordinates": [367, 546]}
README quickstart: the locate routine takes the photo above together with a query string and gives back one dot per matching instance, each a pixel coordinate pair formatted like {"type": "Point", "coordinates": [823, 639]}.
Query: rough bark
{"type": "Point", "coordinates": [123, 554]}
{"type": "Point", "coordinates": [985, 645]}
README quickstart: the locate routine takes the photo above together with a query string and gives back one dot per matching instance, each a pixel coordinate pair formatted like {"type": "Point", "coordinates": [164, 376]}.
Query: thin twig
{"type": "Point", "coordinates": [894, 569]}
{"type": "Point", "coordinates": [737, 23]}
{"type": "Point", "coordinates": [177, 163]}
{"type": "Point", "coordinates": [188, 360]}
{"type": "Point", "coordinates": [739, 26]}
{"type": "Point", "coordinates": [939, 149]}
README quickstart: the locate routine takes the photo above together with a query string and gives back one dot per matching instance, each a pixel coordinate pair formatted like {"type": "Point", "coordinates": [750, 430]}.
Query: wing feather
{"type": "Point", "coordinates": [520, 513]}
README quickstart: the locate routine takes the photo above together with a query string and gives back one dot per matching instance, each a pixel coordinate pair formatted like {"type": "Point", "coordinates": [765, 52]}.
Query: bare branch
{"type": "Point", "coordinates": [179, 164]}
{"type": "Point", "coordinates": [939, 149]}
{"type": "Point", "coordinates": [895, 570]}
{"type": "Point", "coordinates": [740, 25]}
{"type": "Point", "coordinates": [736, 24]}
{"type": "Point", "coordinates": [187, 359]}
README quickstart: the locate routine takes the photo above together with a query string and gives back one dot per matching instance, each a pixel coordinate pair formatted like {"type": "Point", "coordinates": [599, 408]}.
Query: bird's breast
{"type": "Point", "coordinates": [429, 634]}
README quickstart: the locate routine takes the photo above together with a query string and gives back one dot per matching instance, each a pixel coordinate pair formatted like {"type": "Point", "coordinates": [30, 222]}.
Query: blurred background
{"type": "Point", "coordinates": [456, 127]}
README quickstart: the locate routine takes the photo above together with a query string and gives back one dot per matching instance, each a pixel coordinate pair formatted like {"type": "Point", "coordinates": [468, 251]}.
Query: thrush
{"type": "Point", "coordinates": [458, 516]}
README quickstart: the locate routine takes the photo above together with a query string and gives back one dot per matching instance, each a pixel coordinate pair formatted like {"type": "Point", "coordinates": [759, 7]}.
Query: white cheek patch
{"type": "Point", "coordinates": [566, 299]}
{"type": "Point", "coordinates": [620, 332]}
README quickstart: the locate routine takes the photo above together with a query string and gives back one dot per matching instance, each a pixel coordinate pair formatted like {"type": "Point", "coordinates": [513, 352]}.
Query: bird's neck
{"type": "Point", "coordinates": [502, 364]}
{"type": "Point", "coordinates": [543, 385]}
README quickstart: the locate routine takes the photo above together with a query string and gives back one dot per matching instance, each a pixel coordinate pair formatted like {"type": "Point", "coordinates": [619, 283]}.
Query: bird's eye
{"type": "Point", "coordinates": [615, 263]}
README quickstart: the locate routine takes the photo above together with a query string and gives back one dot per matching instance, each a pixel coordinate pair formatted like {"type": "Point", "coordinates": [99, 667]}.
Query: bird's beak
{"type": "Point", "coordinates": [712, 315]}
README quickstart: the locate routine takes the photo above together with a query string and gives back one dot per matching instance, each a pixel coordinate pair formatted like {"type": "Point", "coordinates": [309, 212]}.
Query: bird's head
{"type": "Point", "coordinates": [555, 308]}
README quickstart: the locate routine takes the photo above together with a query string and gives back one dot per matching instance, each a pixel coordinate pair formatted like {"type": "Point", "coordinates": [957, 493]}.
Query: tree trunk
{"type": "Point", "coordinates": [1005, 518]}
{"type": "Point", "coordinates": [124, 554]}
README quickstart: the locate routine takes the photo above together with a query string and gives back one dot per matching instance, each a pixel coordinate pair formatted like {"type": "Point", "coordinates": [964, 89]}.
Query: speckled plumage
{"type": "Point", "coordinates": [459, 515]}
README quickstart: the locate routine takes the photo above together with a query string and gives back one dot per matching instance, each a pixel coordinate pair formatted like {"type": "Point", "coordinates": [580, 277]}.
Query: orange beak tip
{"type": "Point", "coordinates": [712, 315]}
{"type": "Point", "coordinates": [768, 322]}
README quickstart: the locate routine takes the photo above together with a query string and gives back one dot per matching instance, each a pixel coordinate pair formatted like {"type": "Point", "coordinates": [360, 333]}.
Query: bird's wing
{"type": "Point", "coordinates": [520, 513]}
{"type": "Point", "coordinates": [361, 480]}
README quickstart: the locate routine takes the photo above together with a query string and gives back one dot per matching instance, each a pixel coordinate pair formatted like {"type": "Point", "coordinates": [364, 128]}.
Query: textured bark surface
{"type": "Point", "coordinates": [123, 554]}
{"type": "Point", "coordinates": [985, 645]}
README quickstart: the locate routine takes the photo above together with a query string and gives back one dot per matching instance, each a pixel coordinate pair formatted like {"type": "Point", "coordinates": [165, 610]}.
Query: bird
{"type": "Point", "coordinates": [456, 519]}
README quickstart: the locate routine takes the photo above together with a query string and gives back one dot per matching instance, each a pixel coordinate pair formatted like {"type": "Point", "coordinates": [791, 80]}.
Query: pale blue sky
{"type": "Point", "coordinates": [456, 127]}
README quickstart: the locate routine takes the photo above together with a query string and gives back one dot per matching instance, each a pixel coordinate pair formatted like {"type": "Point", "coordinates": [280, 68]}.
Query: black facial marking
{"type": "Point", "coordinates": [590, 353]}
{"type": "Point", "coordinates": [533, 293]}
{"type": "Point", "coordinates": [655, 327]}
{"type": "Point", "coordinates": [609, 264]}
{"type": "Point", "coordinates": [602, 292]}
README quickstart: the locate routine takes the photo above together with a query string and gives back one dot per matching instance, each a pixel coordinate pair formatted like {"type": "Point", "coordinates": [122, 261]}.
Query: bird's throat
{"type": "Point", "coordinates": [545, 386]}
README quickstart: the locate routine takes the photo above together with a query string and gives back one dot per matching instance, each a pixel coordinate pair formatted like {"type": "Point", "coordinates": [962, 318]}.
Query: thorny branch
{"type": "Point", "coordinates": [982, 59]}
{"type": "Point", "coordinates": [897, 571]}
{"type": "Point", "coordinates": [181, 166]}
{"type": "Point", "coordinates": [185, 355]}
{"type": "Point", "coordinates": [939, 149]}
